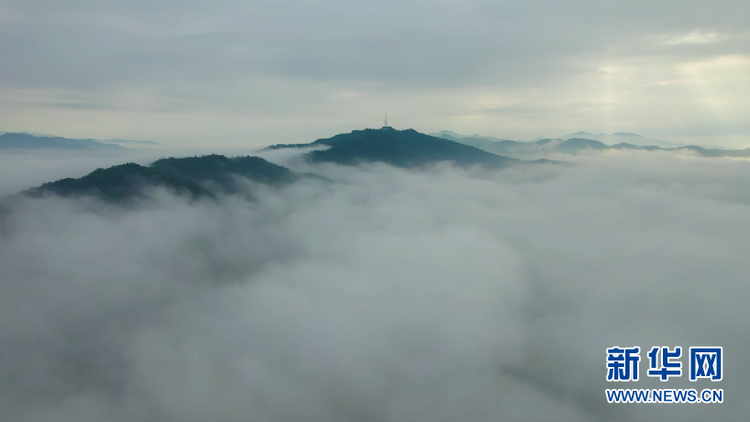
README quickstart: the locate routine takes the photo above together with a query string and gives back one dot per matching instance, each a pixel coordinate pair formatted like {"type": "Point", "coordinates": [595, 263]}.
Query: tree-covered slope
{"type": "Point", "coordinates": [119, 183]}
{"type": "Point", "coordinates": [222, 172]}
{"type": "Point", "coordinates": [401, 148]}
{"type": "Point", "coordinates": [195, 176]}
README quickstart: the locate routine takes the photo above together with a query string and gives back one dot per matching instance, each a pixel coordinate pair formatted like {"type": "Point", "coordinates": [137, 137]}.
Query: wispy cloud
{"type": "Point", "coordinates": [695, 37]}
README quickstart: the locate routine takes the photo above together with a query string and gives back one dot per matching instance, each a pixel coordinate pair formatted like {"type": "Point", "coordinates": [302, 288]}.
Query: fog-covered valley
{"type": "Point", "coordinates": [376, 293]}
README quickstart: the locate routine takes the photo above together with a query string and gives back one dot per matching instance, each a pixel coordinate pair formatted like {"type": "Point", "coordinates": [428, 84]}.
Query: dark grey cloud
{"type": "Point", "coordinates": [442, 294]}
{"type": "Point", "coordinates": [392, 42]}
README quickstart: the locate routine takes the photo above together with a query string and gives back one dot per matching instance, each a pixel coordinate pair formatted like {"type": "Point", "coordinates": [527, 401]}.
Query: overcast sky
{"type": "Point", "coordinates": [256, 72]}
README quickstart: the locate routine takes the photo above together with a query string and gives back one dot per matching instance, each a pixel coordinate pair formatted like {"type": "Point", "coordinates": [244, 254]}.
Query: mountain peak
{"type": "Point", "coordinates": [400, 148]}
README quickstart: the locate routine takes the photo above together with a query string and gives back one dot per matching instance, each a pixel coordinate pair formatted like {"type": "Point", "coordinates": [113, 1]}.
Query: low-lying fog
{"type": "Point", "coordinates": [388, 295]}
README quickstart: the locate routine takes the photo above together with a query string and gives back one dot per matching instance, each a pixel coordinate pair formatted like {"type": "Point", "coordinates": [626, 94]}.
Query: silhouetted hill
{"type": "Point", "coordinates": [220, 171]}
{"type": "Point", "coordinates": [497, 146]}
{"type": "Point", "coordinates": [119, 183]}
{"type": "Point", "coordinates": [25, 141]}
{"type": "Point", "coordinates": [625, 145]}
{"type": "Point", "coordinates": [578, 144]}
{"type": "Point", "coordinates": [196, 176]}
{"type": "Point", "coordinates": [401, 148]}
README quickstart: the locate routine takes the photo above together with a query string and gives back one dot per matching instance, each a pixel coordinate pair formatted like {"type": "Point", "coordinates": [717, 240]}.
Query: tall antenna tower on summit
{"type": "Point", "coordinates": [386, 127]}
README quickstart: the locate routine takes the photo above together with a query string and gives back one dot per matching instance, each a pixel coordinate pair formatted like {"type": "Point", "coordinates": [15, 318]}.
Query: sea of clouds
{"type": "Point", "coordinates": [384, 294]}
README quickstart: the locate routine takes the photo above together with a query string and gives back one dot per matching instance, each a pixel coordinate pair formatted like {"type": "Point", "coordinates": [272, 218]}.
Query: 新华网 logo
{"type": "Point", "coordinates": [704, 362]}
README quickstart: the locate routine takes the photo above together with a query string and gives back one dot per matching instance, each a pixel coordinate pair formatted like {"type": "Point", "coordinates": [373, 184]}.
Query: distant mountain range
{"type": "Point", "coordinates": [126, 141]}
{"type": "Point", "coordinates": [577, 142]}
{"type": "Point", "coordinates": [400, 148]}
{"type": "Point", "coordinates": [447, 134]}
{"type": "Point", "coordinates": [211, 175]}
{"type": "Point", "coordinates": [622, 138]}
{"type": "Point", "coordinates": [615, 138]}
{"type": "Point", "coordinates": [28, 141]}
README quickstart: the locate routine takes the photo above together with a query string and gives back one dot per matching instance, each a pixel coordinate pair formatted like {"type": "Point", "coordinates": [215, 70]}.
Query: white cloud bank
{"type": "Point", "coordinates": [389, 295]}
